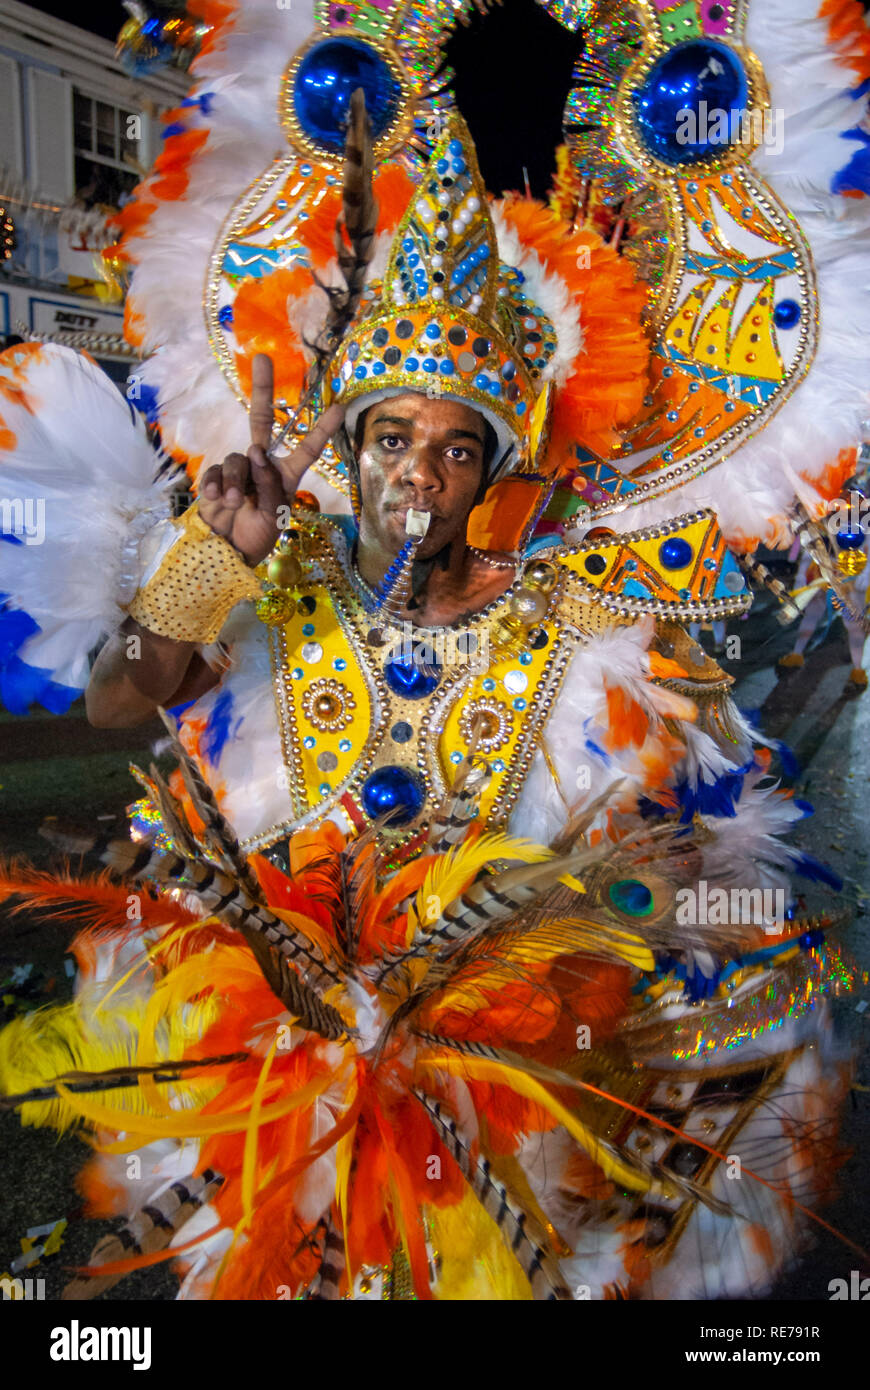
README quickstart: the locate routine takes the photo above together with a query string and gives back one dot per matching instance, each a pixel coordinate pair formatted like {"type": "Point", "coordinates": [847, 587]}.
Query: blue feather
{"type": "Point", "coordinates": [790, 764]}
{"type": "Point", "coordinates": [16, 627]}
{"type": "Point", "coordinates": [22, 686]}
{"type": "Point", "coordinates": [812, 869]}
{"type": "Point", "coordinates": [854, 176]}
{"type": "Point", "coordinates": [217, 729]}
{"type": "Point", "coordinates": [599, 752]}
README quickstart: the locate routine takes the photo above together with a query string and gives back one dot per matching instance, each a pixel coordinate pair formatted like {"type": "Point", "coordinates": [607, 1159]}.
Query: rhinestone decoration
{"type": "Point", "coordinates": [394, 792]}
{"type": "Point", "coordinates": [325, 81]}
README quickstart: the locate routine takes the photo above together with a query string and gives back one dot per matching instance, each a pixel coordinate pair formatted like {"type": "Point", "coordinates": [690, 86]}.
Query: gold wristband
{"type": "Point", "coordinates": [200, 580]}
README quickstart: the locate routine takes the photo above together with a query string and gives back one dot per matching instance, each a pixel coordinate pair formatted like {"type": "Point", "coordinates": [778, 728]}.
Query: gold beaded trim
{"type": "Point", "coordinates": [197, 585]}
{"type": "Point", "coordinates": [493, 715]}
{"type": "Point", "coordinates": [328, 706]}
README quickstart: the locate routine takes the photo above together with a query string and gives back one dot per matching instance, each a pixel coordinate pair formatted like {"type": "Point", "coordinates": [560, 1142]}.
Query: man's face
{"type": "Point", "coordinates": [421, 453]}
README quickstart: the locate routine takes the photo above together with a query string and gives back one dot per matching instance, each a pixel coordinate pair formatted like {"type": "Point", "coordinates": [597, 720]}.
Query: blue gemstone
{"type": "Point", "coordinates": [297, 673]}
{"type": "Point", "coordinates": [308, 629]}
{"type": "Point", "coordinates": [360, 372]}
{"type": "Point", "coordinates": [327, 78]}
{"type": "Point", "coordinates": [521, 408]}
{"type": "Point", "coordinates": [412, 364]}
{"type": "Point", "coordinates": [525, 658]}
{"type": "Point", "coordinates": [455, 147]}
{"type": "Point", "coordinates": [378, 369]}
{"type": "Point", "coordinates": [850, 540]}
{"type": "Point", "coordinates": [447, 367]}
{"type": "Point", "coordinates": [401, 732]}
{"type": "Point", "coordinates": [488, 683]}
{"type": "Point", "coordinates": [495, 388]}
{"type": "Point", "coordinates": [519, 703]}
{"type": "Point", "coordinates": [441, 166]}
{"type": "Point", "coordinates": [394, 792]}
{"type": "Point", "coordinates": [631, 896]}
{"type": "Point", "coordinates": [481, 381]}
{"type": "Point", "coordinates": [308, 742]}
{"type": "Point", "coordinates": [344, 745]}
{"type": "Point", "coordinates": [787, 313]}
{"type": "Point", "coordinates": [226, 315]}
{"type": "Point", "coordinates": [432, 330]}
{"type": "Point", "coordinates": [676, 104]}
{"type": "Point", "coordinates": [429, 364]}
{"type": "Point", "coordinates": [339, 664]}
{"type": "Point", "coordinates": [325, 789]}
{"type": "Point", "coordinates": [675, 553]}
{"type": "Point", "coordinates": [409, 674]}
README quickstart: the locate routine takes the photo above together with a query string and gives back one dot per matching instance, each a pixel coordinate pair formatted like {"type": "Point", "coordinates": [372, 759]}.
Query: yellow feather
{"type": "Point", "coordinates": [249, 1158]}
{"type": "Point", "coordinates": [187, 1125]}
{"type": "Point", "coordinates": [501, 1073]}
{"type": "Point", "coordinates": [40, 1046]}
{"type": "Point", "coordinates": [476, 1265]}
{"type": "Point", "coordinates": [452, 872]}
{"type": "Point", "coordinates": [569, 936]}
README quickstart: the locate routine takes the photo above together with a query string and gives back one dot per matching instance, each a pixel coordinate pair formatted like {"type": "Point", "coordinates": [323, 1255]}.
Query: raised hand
{"type": "Point", "coordinates": [240, 498]}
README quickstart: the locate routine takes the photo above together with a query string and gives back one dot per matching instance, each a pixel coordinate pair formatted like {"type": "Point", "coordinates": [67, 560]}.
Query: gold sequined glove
{"type": "Point", "coordinates": [200, 580]}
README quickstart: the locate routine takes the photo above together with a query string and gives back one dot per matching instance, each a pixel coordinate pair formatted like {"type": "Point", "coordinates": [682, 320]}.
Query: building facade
{"type": "Point", "coordinates": [77, 132]}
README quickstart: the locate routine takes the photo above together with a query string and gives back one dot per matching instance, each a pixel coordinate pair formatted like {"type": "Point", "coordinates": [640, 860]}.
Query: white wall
{"type": "Point", "coordinates": [11, 146]}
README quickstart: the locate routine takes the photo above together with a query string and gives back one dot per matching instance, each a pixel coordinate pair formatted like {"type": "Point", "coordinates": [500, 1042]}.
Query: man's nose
{"type": "Point", "coordinates": [420, 470]}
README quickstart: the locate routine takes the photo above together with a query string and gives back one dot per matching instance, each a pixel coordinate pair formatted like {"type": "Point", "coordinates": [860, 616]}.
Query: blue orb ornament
{"type": "Point", "coordinates": [850, 540]}
{"type": "Point", "coordinates": [327, 78]}
{"type": "Point", "coordinates": [412, 671]}
{"type": "Point", "coordinates": [631, 897]}
{"type": "Point", "coordinates": [394, 792]}
{"type": "Point", "coordinates": [787, 313]}
{"type": "Point", "coordinates": [690, 102]}
{"type": "Point", "coordinates": [675, 553]}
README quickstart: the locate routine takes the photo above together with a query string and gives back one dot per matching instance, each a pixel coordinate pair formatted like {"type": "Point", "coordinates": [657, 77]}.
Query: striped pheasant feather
{"type": "Point", "coordinates": [518, 1229]}
{"type": "Point", "coordinates": [152, 1228]}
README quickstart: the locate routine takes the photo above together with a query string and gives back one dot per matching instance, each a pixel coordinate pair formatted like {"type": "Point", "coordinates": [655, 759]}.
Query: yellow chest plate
{"type": "Point", "coordinates": [349, 709]}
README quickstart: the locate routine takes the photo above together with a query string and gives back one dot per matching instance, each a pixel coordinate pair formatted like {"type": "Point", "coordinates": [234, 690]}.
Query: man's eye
{"type": "Point", "coordinates": [458, 454]}
{"type": "Point", "coordinates": [392, 441]}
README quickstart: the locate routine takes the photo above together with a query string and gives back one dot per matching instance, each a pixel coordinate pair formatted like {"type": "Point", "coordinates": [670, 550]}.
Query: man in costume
{"type": "Point", "coordinates": [418, 1010]}
{"type": "Point", "coordinates": [461, 958]}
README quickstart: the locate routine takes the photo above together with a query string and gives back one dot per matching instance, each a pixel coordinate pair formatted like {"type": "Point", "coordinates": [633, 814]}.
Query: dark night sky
{"type": "Point", "coordinates": [513, 69]}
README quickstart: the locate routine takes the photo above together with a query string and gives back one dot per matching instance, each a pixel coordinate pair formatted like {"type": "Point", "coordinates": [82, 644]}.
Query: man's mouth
{"type": "Point", "coordinates": [401, 512]}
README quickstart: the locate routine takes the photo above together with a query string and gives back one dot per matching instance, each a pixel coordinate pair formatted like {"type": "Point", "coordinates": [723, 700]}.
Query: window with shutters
{"type": "Point", "coordinates": [102, 135]}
